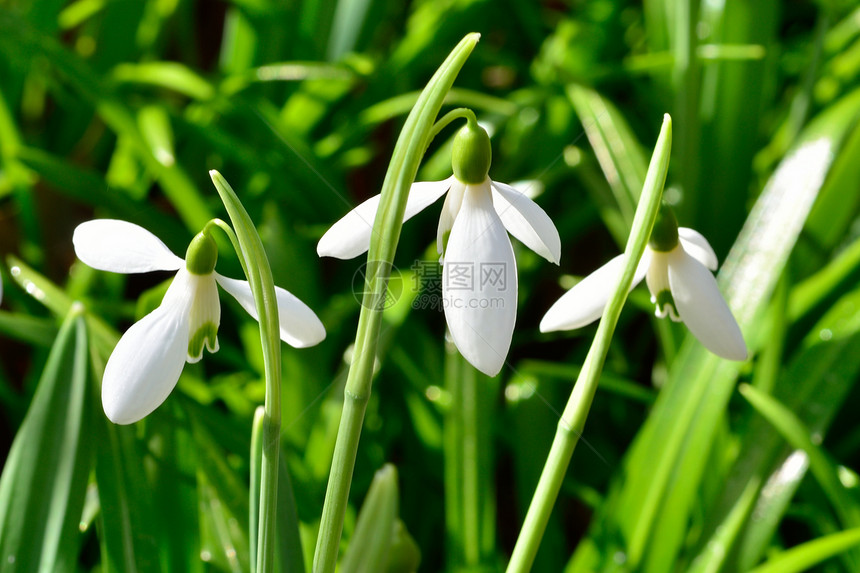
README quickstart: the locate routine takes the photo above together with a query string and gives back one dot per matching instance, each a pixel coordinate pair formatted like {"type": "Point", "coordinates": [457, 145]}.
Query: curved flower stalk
{"type": "Point", "coordinates": [676, 266]}
{"type": "Point", "coordinates": [479, 286]}
{"type": "Point", "coordinates": [146, 363]}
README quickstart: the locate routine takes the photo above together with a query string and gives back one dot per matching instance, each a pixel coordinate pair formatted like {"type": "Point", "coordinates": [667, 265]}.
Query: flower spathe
{"type": "Point", "coordinates": [145, 365]}
{"type": "Point", "coordinates": [681, 286]}
{"type": "Point", "coordinates": [479, 278]}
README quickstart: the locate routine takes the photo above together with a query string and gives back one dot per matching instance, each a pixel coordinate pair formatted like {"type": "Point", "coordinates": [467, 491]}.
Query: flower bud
{"type": "Point", "coordinates": [472, 154]}
{"type": "Point", "coordinates": [201, 255]}
{"type": "Point", "coordinates": [664, 235]}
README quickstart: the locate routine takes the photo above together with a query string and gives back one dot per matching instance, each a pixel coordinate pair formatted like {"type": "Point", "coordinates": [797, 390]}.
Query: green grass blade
{"type": "Point", "coordinates": [28, 328]}
{"type": "Point", "coordinates": [104, 338]}
{"type": "Point", "coordinates": [369, 546]}
{"type": "Point", "coordinates": [17, 37]}
{"type": "Point", "coordinates": [713, 557]}
{"type": "Point", "coordinates": [130, 536]}
{"type": "Point", "coordinates": [620, 156]}
{"type": "Point", "coordinates": [290, 550]}
{"type": "Point", "coordinates": [44, 480]}
{"type": "Point", "coordinates": [814, 385]}
{"type": "Point", "coordinates": [732, 97]}
{"type": "Point", "coordinates": [811, 553]}
{"type": "Point", "coordinates": [169, 75]}
{"type": "Point", "coordinates": [795, 433]}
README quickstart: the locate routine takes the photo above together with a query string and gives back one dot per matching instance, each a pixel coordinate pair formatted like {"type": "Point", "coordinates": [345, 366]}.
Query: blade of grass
{"type": "Point", "coordinates": [796, 434]}
{"type": "Point", "coordinates": [811, 553]}
{"type": "Point", "coordinates": [369, 547]}
{"type": "Point", "coordinates": [44, 480]}
{"type": "Point", "coordinates": [17, 37]}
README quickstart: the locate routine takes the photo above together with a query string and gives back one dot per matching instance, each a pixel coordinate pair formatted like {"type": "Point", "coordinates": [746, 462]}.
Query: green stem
{"type": "Point", "coordinates": [234, 240]}
{"type": "Point", "coordinates": [470, 512]}
{"type": "Point", "coordinates": [252, 255]}
{"type": "Point", "coordinates": [572, 421]}
{"type": "Point", "coordinates": [408, 151]}
{"type": "Point", "coordinates": [454, 114]}
{"type": "Point", "coordinates": [686, 83]}
{"type": "Point", "coordinates": [256, 473]}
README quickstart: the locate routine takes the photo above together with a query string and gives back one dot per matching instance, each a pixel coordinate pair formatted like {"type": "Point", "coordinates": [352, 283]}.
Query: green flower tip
{"type": "Point", "coordinates": [202, 254]}
{"type": "Point", "coordinates": [666, 305]}
{"type": "Point", "coordinates": [207, 334]}
{"type": "Point", "coordinates": [472, 154]}
{"type": "Point", "coordinates": [664, 235]}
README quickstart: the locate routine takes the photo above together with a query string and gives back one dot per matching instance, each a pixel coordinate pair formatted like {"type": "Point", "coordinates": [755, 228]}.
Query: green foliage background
{"type": "Point", "coordinates": [119, 109]}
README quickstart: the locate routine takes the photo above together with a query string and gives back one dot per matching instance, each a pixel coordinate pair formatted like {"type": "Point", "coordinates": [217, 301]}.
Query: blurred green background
{"type": "Point", "coordinates": [118, 108]}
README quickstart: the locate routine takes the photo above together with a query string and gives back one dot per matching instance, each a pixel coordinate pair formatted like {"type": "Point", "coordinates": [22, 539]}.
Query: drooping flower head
{"type": "Point", "coordinates": [479, 279]}
{"type": "Point", "coordinates": [676, 266]}
{"type": "Point", "coordinates": [145, 365]}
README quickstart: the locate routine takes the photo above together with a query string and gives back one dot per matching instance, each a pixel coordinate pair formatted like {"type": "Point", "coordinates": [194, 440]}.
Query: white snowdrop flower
{"type": "Point", "coordinates": [146, 363]}
{"type": "Point", "coordinates": [676, 266]}
{"type": "Point", "coordinates": [479, 279]}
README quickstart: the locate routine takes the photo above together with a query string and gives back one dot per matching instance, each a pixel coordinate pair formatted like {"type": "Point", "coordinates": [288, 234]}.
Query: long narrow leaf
{"type": "Point", "coordinates": [44, 481]}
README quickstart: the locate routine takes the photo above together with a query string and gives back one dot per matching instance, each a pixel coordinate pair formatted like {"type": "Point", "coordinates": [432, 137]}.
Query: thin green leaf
{"type": "Point", "coordinates": [18, 37]}
{"type": "Point", "coordinates": [170, 75]}
{"type": "Point", "coordinates": [44, 481]}
{"type": "Point", "coordinates": [129, 534]}
{"type": "Point", "coordinates": [369, 546]}
{"type": "Point", "coordinates": [795, 433]}
{"type": "Point", "coordinates": [619, 154]}
{"type": "Point", "coordinates": [811, 553]}
{"type": "Point", "coordinates": [27, 328]}
{"type": "Point", "coordinates": [814, 385]}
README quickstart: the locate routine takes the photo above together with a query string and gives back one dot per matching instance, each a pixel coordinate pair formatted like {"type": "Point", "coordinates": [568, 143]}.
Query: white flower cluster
{"type": "Point", "coordinates": [477, 215]}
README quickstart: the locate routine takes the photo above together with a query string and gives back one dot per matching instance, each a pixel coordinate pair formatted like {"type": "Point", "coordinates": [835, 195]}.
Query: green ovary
{"type": "Point", "coordinates": [471, 154]}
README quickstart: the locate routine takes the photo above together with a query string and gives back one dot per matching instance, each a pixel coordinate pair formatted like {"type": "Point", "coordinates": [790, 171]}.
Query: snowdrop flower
{"type": "Point", "coordinates": [479, 282]}
{"type": "Point", "coordinates": [145, 365]}
{"type": "Point", "coordinates": [676, 266]}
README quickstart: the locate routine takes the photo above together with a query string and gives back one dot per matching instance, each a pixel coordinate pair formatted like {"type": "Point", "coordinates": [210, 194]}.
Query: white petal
{"type": "Point", "coordinates": [145, 365]}
{"type": "Point", "coordinates": [526, 221]}
{"type": "Point", "coordinates": [450, 208]}
{"type": "Point", "coordinates": [479, 284]}
{"type": "Point", "coordinates": [702, 307]}
{"type": "Point", "coordinates": [657, 280]}
{"type": "Point", "coordinates": [698, 247]}
{"type": "Point", "coordinates": [584, 303]}
{"type": "Point", "coordinates": [350, 236]}
{"type": "Point", "coordinates": [299, 326]}
{"type": "Point", "coordinates": [204, 316]}
{"type": "Point", "coordinates": [122, 247]}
